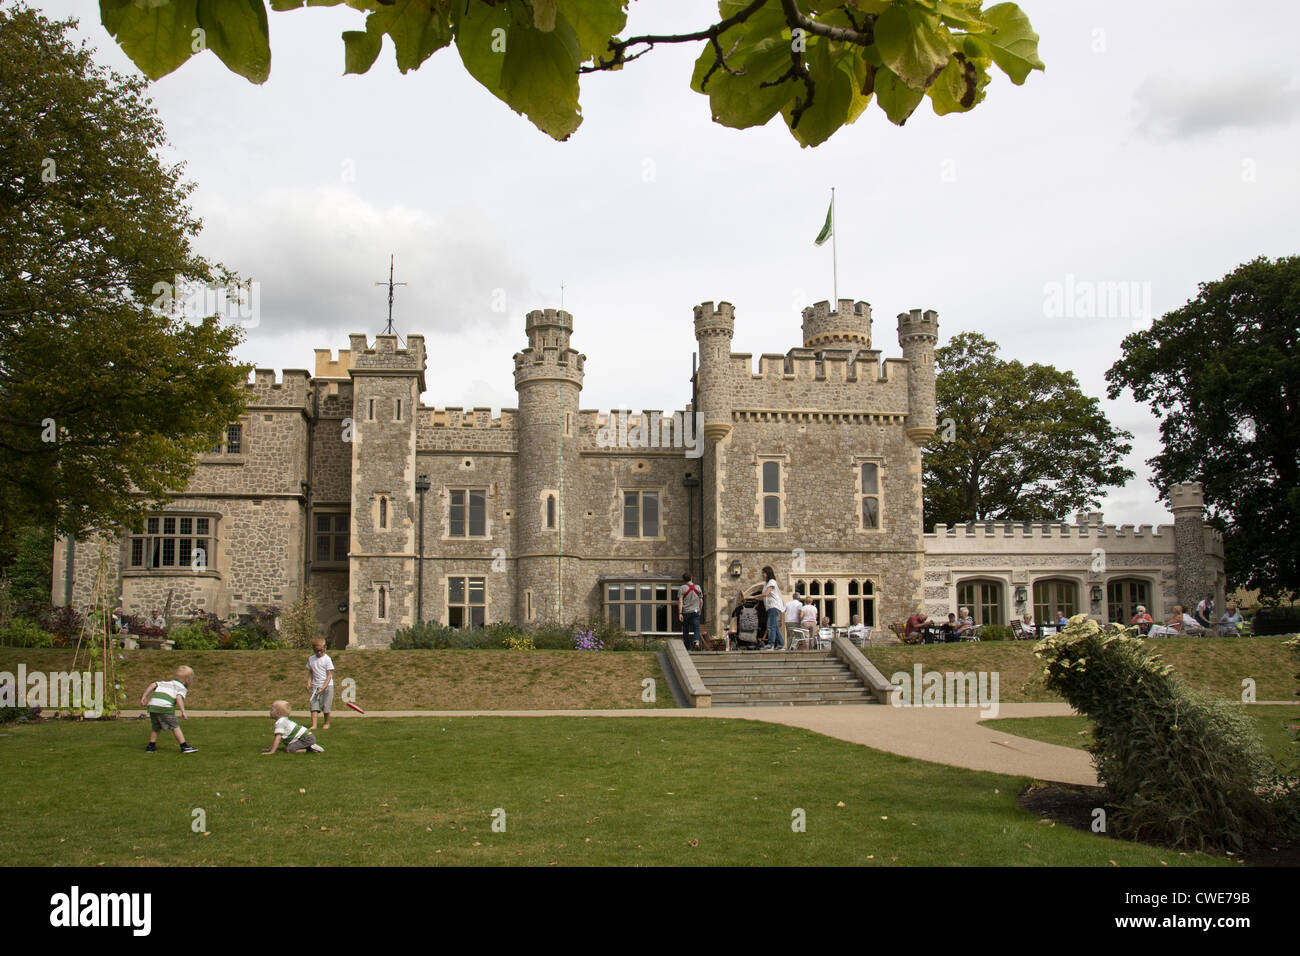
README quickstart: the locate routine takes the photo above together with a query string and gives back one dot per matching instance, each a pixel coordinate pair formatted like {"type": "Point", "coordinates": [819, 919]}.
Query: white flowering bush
{"type": "Point", "coordinates": [1183, 769]}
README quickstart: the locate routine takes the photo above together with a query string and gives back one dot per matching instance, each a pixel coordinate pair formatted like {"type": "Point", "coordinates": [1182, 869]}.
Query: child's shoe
{"type": "Point", "coordinates": [316, 748]}
{"type": "Point", "coordinates": [187, 749]}
{"type": "Point", "coordinates": [151, 748]}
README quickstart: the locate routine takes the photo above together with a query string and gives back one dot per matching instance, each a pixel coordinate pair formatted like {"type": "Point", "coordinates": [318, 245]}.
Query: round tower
{"type": "Point", "coordinates": [848, 327]}
{"type": "Point", "coordinates": [713, 331]}
{"type": "Point", "coordinates": [918, 333]}
{"type": "Point", "coordinates": [548, 378]}
{"type": "Point", "coordinates": [1192, 579]}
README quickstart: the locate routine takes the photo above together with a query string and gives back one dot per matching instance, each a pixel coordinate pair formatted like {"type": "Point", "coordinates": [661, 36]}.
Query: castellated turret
{"type": "Point", "coordinates": [386, 384]}
{"type": "Point", "coordinates": [713, 331]}
{"type": "Point", "coordinates": [1187, 502]}
{"type": "Point", "coordinates": [848, 327]}
{"type": "Point", "coordinates": [918, 333]}
{"type": "Point", "coordinates": [548, 378]}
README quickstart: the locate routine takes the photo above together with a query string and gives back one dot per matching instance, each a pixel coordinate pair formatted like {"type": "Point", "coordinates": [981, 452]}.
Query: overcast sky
{"type": "Point", "coordinates": [1159, 150]}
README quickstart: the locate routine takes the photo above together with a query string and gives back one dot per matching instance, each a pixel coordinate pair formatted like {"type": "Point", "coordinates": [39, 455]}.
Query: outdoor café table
{"type": "Point", "coordinates": [1043, 629]}
{"type": "Point", "coordinates": [930, 634]}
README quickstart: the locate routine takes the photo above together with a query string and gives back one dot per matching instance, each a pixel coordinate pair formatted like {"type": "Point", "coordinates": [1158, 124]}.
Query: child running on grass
{"type": "Point", "coordinates": [162, 698]}
{"type": "Point", "coordinates": [297, 738]}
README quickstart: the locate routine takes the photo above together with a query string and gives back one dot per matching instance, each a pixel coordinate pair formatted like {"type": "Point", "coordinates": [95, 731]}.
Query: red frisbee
{"type": "Point", "coordinates": [355, 707]}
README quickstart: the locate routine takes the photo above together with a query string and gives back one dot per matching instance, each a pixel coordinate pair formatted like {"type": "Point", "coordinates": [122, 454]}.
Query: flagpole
{"type": "Point", "coordinates": [835, 263]}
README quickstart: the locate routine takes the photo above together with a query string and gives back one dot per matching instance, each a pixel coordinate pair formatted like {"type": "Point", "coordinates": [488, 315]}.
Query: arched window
{"type": "Point", "coordinates": [550, 511]}
{"type": "Point", "coordinates": [383, 512]}
{"type": "Point", "coordinates": [984, 598]}
{"type": "Point", "coordinates": [1052, 595]}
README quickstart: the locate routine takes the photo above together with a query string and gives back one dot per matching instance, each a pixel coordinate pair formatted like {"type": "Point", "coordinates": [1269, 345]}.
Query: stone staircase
{"type": "Point", "coordinates": [779, 678]}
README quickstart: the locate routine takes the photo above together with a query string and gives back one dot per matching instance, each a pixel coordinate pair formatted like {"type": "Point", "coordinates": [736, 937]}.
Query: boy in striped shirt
{"type": "Point", "coordinates": [162, 698]}
{"type": "Point", "coordinates": [297, 738]}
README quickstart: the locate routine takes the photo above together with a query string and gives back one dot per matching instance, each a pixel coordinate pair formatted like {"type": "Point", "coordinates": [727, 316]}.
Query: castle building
{"type": "Point", "coordinates": [393, 512]}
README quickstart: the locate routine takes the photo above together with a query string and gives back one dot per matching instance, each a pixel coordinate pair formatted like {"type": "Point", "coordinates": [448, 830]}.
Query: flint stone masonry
{"type": "Point", "coordinates": [820, 410]}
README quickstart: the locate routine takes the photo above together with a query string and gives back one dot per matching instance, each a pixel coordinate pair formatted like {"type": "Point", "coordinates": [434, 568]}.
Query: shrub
{"type": "Point", "coordinates": [586, 640]}
{"type": "Point", "coordinates": [298, 622]}
{"type": "Point", "coordinates": [9, 714]}
{"type": "Point", "coordinates": [995, 632]}
{"type": "Point", "coordinates": [140, 627]}
{"type": "Point", "coordinates": [1183, 769]}
{"type": "Point", "coordinates": [519, 644]}
{"type": "Point", "coordinates": [503, 631]}
{"type": "Point", "coordinates": [64, 622]}
{"type": "Point", "coordinates": [192, 636]}
{"type": "Point", "coordinates": [1277, 620]}
{"type": "Point", "coordinates": [422, 637]}
{"type": "Point", "coordinates": [20, 633]}
{"type": "Point", "coordinates": [552, 637]}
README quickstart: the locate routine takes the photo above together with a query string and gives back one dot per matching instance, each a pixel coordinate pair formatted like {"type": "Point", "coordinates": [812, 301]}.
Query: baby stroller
{"type": "Point", "coordinates": [750, 627]}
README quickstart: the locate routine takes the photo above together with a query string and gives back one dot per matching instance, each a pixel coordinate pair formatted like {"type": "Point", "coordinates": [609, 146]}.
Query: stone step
{"type": "Point", "coordinates": [776, 702]}
{"type": "Point", "coordinates": [818, 680]}
{"type": "Point", "coordinates": [820, 697]}
{"type": "Point", "coordinates": [759, 671]}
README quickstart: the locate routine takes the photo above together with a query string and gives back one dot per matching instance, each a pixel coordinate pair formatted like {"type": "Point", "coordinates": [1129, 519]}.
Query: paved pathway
{"type": "Point", "coordinates": [949, 735]}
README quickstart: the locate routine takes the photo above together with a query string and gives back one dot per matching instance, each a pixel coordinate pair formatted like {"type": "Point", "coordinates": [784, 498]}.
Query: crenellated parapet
{"type": "Point", "coordinates": [848, 325]}
{"type": "Point", "coordinates": [1047, 530]}
{"type": "Point", "coordinates": [290, 390]}
{"type": "Point", "coordinates": [386, 357]}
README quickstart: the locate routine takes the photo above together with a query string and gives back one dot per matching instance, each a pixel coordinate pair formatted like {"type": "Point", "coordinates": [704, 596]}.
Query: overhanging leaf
{"type": "Point", "coordinates": [236, 31]}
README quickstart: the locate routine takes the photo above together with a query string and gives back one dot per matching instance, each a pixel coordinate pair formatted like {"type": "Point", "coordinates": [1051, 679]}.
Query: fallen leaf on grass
{"type": "Point", "coordinates": [301, 790]}
{"type": "Point", "coordinates": [692, 842]}
{"type": "Point", "coordinates": [840, 804]}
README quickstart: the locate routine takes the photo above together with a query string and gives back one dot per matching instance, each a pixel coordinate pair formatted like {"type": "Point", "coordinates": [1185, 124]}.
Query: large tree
{"type": "Point", "coordinates": [1222, 374]}
{"type": "Point", "coordinates": [107, 391]}
{"type": "Point", "coordinates": [817, 64]}
{"type": "Point", "coordinates": [1015, 442]}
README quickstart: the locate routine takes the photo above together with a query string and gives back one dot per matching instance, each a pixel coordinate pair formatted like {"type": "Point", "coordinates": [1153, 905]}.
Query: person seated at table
{"type": "Point", "coordinates": [1192, 625]}
{"type": "Point", "coordinates": [1231, 622]}
{"type": "Point", "coordinates": [915, 623]}
{"type": "Point", "coordinates": [948, 629]}
{"type": "Point", "coordinates": [1172, 627]}
{"type": "Point", "coordinates": [1141, 619]}
{"type": "Point", "coordinates": [965, 623]}
{"type": "Point", "coordinates": [1024, 628]}
{"type": "Point", "coordinates": [857, 631]}
{"type": "Point", "coordinates": [825, 633]}
{"type": "Point", "coordinates": [1062, 622]}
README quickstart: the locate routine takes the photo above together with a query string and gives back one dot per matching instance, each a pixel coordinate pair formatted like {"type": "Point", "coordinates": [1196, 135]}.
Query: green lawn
{"type": "Point", "coordinates": [1273, 721]}
{"type": "Point", "coordinates": [625, 791]}
{"type": "Point", "coordinates": [1216, 665]}
{"type": "Point", "coordinates": [390, 680]}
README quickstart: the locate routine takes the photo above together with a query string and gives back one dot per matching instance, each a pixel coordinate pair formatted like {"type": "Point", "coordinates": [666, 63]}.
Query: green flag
{"type": "Point", "coordinates": [826, 229]}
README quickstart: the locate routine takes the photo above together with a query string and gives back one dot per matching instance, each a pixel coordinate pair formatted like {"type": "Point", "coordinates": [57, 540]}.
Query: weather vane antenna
{"type": "Point", "coordinates": [391, 284]}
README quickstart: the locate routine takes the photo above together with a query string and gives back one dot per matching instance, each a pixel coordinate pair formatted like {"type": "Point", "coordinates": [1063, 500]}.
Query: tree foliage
{"type": "Point", "coordinates": [1015, 442]}
{"type": "Point", "coordinates": [816, 64]}
{"type": "Point", "coordinates": [1222, 374]}
{"type": "Point", "coordinates": [105, 397]}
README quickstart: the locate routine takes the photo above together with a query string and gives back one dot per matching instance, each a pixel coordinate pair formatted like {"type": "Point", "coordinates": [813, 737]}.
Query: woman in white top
{"type": "Point", "coordinates": [772, 601]}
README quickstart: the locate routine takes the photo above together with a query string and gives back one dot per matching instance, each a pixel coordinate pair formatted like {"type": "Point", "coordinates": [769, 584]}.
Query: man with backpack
{"type": "Point", "coordinates": [690, 602]}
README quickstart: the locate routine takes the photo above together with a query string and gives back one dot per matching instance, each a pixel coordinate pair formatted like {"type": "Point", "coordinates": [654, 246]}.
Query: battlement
{"type": "Point", "coordinates": [533, 365]}
{"type": "Point", "coordinates": [454, 417]}
{"type": "Point", "coordinates": [1188, 496]}
{"type": "Point", "coordinates": [917, 327]}
{"type": "Point", "coordinates": [385, 354]}
{"type": "Point", "coordinates": [848, 324]}
{"type": "Point", "coordinates": [292, 389]}
{"type": "Point", "coordinates": [329, 367]}
{"type": "Point", "coordinates": [1047, 530]}
{"type": "Point", "coordinates": [548, 319]}
{"type": "Point", "coordinates": [715, 321]}
{"type": "Point", "coordinates": [823, 365]}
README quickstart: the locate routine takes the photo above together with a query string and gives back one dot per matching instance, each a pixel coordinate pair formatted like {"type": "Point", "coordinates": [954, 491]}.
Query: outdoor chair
{"type": "Point", "coordinates": [973, 634]}
{"type": "Point", "coordinates": [799, 636]}
{"type": "Point", "coordinates": [825, 636]}
{"type": "Point", "coordinates": [1021, 633]}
